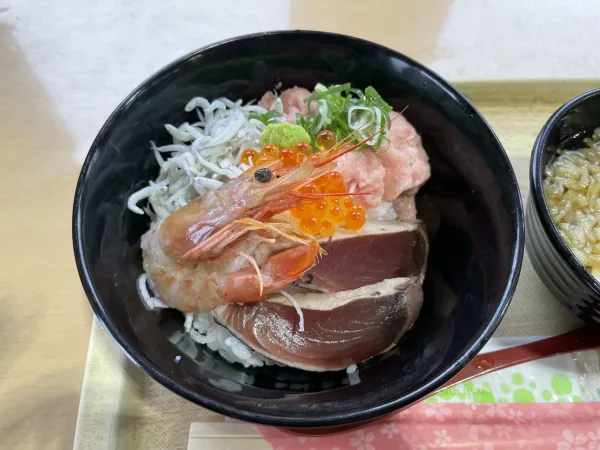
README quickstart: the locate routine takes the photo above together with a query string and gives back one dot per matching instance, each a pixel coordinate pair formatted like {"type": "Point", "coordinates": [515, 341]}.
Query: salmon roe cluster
{"type": "Point", "coordinates": [288, 156]}
{"type": "Point", "coordinates": [316, 216]}
{"type": "Point", "coordinates": [323, 216]}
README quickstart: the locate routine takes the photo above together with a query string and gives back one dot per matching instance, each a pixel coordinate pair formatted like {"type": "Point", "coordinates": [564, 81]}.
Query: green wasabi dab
{"type": "Point", "coordinates": [283, 135]}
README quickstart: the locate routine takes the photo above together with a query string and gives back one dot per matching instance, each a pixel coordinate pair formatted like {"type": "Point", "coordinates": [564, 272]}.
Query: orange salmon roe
{"type": "Point", "coordinates": [310, 225]}
{"type": "Point", "coordinates": [335, 183]}
{"type": "Point", "coordinates": [249, 155]}
{"type": "Point", "coordinates": [310, 188]}
{"type": "Point", "coordinates": [334, 201]}
{"type": "Point", "coordinates": [355, 218]}
{"type": "Point", "coordinates": [271, 151]}
{"type": "Point", "coordinates": [327, 228]}
{"type": "Point", "coordinates": [288, 157]}
{"type": "Point", "coordinates": [303, 147]}
{"type": "Point", "coordinates": [317, 216]}
{"type": "Point", "coordinates": [329, 212]}
{"type": "Point", "coordinates": [302, 211]}
{"type": "Point", "coordinates": [346, 203]}
{"type": "Point", "coordinates": [335, 214]}
{"type": "Point", "coordinates": [320, 208]}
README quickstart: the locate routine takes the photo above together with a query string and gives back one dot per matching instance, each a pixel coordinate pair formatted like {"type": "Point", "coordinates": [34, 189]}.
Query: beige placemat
{"type": "Point", "coordinates": [122, 408]}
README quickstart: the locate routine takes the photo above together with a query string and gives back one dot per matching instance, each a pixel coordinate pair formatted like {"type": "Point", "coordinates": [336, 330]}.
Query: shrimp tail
{"type": "Point", "coordinates": [252, 284]}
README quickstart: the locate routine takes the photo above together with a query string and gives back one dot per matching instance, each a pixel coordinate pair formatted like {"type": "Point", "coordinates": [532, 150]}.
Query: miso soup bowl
{"type": "Point", "coordinates": [471, 207]}
{"type": "Point", "coordinates": [550, 256]}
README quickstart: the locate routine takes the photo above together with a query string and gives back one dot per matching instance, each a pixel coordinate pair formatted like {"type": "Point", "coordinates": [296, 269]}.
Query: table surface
{"type": "Point", "coordinates": [64, 68]}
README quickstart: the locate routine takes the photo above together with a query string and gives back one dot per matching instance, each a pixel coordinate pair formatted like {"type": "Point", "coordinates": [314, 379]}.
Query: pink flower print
{"type": "Point", "coordinates": [572, 442]}
{"type": "Point", "coordinates": [402, 414]}
{"type": "Point", "coordinates": [503, 431]}
{"type": "Point", "coordinates": [559, 413]}
{"type": "Point", "coordinates": [497, 411]}
{"type": "Point", "coordinates": [442, 438]}
{"type": "Point", "coordinates": [529, 438]}
{"type": "Point", "coordinates": [413, 442]}
{"type": "Point", "coordinates": [439, 411]}
{"type": "Point", "coordinates": [477, 429]}
{"type": "Point", "coordinates": [516, 416]}
{"type": "Point", "coordinates": [389, 429]}
{"type": "Point", "coordinates": [362, 441]}
{"type": "Point", "coordinates": [534, 419]}
{"type": "Point", "coordinates": [594, 443]}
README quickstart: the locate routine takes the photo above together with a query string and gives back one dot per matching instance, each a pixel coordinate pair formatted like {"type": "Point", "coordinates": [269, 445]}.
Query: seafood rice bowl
{"type": "Point", "coordinates": [298, 229]}
{"type": "Point", "coordinates": [286, 229]}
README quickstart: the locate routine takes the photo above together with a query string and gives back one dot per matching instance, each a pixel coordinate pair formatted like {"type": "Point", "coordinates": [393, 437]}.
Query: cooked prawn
{"type": "Point", "coordinates": [189, 254]}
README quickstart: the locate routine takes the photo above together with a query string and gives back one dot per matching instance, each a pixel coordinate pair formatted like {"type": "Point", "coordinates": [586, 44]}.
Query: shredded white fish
{"type": "Point", "coordinates": [296, 306]}
{"type": "Point", "coordinates": [149, 301]}
{"type": "Point", "coordinates": [203, 155]}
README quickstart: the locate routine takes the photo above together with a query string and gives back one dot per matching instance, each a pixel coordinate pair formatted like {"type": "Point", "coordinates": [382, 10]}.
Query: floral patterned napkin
{"type": "Point", "coordinates": [548, 404]}
{"type": "Point", "coordinates": [427, 426]}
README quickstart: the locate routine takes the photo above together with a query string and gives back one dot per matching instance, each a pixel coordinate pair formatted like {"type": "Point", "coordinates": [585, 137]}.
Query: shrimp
{"type": "Point", "coordinates": [189, 255]}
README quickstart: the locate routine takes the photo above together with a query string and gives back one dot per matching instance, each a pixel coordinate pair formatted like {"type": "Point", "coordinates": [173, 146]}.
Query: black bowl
{"type": "Point", "coordinates": [550, 256]}
{"type": "Point", "coordinates": [471, 205]}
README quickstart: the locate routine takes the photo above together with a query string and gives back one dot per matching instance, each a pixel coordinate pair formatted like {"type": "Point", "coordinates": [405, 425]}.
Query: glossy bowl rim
{"type": "Point", "coordinates": [267, 418]}
{"type": "Point", "coordinates": [537, 192]}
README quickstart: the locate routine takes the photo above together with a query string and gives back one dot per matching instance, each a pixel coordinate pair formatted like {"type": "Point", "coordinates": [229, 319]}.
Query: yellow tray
{"type": "Point", "coordinates": [122, 408]}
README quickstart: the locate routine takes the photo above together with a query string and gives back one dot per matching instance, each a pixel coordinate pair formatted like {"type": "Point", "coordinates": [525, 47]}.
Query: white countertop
{"type": "Point", "coordinates": [88, 56]}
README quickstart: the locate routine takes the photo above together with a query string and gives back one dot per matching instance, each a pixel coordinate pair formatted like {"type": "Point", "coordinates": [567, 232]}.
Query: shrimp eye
{"type": "Point", "coordinates": [263, 175]}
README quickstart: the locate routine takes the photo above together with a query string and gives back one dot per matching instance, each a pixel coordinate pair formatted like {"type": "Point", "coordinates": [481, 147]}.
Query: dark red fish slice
{"type": "Point", "coordinates": [365, 293]}
{"type": "Point", "coordinates": [339, 329]}
{"type": "Point", "coordinates": [384, 252]}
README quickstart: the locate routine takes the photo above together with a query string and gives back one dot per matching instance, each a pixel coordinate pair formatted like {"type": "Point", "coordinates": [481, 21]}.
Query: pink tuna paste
{"type": "Point", "coordinates": [292, 100]}
{"type": "Point", "coordinates": [391, 176]}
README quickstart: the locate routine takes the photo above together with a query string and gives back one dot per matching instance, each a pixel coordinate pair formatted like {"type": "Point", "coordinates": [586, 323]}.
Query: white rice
{"type": "Point", "coordinates": [353, 376]}
{"type": "Point", "coordinates": [203, 329]}
{"type": "Point", "coordinates": [385, 211]}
